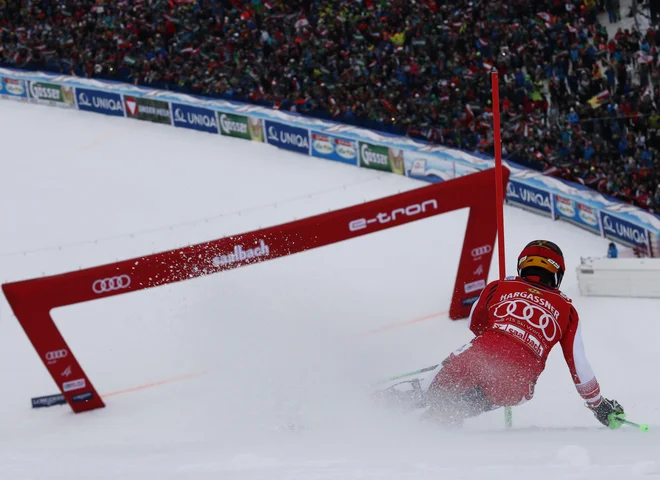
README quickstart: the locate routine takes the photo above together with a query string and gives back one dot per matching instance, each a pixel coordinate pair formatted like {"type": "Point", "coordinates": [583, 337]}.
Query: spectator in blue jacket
{"type": "Point", "coordinates": [612, 252]}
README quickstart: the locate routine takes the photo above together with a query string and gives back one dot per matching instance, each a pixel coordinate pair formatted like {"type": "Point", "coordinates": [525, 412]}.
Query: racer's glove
{"type": "Point", "coordinates": [609, 413]}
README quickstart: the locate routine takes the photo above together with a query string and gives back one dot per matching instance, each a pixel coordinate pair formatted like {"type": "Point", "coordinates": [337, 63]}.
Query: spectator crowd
{"type": "Point", "coordinates": [575, 102]}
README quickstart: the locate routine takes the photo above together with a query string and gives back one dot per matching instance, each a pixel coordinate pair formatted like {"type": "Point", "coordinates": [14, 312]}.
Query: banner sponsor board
{"type": "Point", "coordinates": [148, 109]}
{"type": "Point", "coordinates": [195, 118]}
{"type": "Point", "coordinates": [433, 169]}
{"type": "Point", "coordinates": [12, 88]}
{"type": "Point", "coordinates": [241, 126]}
{"type": "Point", "coordinates": [285, 136]}
{"type": "Point", "coordinates": [334, 148]}
{"type": "Point", "coordinates": [623, 231]}
{"type": "Point", "coordinates": [575, 212]}
{"type": "Point", "coordinates": [98, 101]}
{"type": "Point", "coordinates": [430, 163]}
{"type": "Point", "coordinates": [51, 94]}
{"type": "Point", "coordinates": [529, 197]}
{"type": "Point", "coordinates": [380, 157]}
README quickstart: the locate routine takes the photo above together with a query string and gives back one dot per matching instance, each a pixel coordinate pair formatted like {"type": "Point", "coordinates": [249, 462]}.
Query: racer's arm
{"type": "Point", "coordinates": [576, 359]}
{"type": "Point", "coordinates": [479, 314]}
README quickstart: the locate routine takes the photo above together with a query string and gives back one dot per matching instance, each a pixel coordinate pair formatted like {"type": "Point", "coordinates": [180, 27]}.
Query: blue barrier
{"type": "Point", "coordinates": [527, 188]}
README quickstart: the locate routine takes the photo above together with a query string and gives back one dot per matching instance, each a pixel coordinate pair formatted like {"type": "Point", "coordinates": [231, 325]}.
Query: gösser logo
{"type": "Point", "coordinates": [483, 250]}
{"type": "Point", "coordinates": [56, 355]}
{"type": "Point", "coordinates": [110, 284]}
{"type": "Point", "coordinates": [409, 211]}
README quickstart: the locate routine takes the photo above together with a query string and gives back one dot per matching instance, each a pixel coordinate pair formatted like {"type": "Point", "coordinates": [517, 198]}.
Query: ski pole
{"type": "Point", "coordinates": [617, 420]}
{"type": "Point", "coordinates": [643, 427]}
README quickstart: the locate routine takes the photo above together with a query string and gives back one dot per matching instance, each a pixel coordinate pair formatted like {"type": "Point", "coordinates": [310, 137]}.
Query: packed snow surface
{"type": "Point", "coordinates": [265, 369]}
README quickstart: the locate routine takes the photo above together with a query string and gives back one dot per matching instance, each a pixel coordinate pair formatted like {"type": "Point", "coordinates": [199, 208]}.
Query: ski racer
{"type": "Point", "coordinates": [517, 321]}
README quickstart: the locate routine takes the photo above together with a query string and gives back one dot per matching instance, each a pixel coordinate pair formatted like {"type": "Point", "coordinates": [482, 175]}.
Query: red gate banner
{"type": "Point", "coordinates": [32, 300]}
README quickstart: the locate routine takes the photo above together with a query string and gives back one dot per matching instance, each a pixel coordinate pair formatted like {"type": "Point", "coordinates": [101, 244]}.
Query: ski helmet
{"type": "Point", "coordinates": [543, 262]}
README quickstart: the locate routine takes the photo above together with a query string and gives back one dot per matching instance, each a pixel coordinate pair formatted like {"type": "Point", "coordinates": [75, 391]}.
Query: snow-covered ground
{"type": "Point", "coordinates": [265, 368]}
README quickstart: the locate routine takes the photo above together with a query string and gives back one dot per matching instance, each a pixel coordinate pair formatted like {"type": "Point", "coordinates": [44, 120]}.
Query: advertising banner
{"type": "Point", "coordinates": [379, 157]}
{"type": "Point", "coordinates": [13, 89]}
{"type": "Point", "coordinates": [195, 118]}
{"type": "Point", "coordinates": [432, 168]}
{"type": "Point", "coordinates": [577, 213]}
{"type": "Point", "coordinates": [51, 94]}
{"type": "Point", "coordinates": [529, 197]}
{"type": "Point", "coordinates": [285, 136]}
{"type": "Point", "coordinates": [97, 101]}
{"type": "Point", "coordinates": [623, 231]}
{"type": "Point", "coordinates": [334, 148]}
{"type": "Point", "coordinates": [240, 126]}
{"type": "Point", "coordinates": [148, 109]}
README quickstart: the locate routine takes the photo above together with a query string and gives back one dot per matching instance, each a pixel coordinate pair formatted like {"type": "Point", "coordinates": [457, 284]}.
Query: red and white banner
{"type": "Point", "coordinates": [33, 300]}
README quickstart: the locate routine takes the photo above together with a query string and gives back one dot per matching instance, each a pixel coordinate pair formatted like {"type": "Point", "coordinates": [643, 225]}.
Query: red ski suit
{"type": "Point", "coordinates": [516, 324]}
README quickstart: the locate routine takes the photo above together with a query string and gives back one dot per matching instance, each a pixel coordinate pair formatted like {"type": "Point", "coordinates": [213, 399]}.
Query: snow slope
{"type": "Point", "coordinates": [265, 368]}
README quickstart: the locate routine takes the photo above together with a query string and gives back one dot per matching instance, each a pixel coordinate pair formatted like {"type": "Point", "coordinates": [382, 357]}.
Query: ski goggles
{"type": "Point", "coordinates": [536, 256]}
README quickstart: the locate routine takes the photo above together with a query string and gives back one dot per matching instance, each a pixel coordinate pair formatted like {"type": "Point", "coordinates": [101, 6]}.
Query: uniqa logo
{"type": "Point", "coordinates": [629, 232]}
{"type": "Point", "coordinates": [288, 138]}
{"type": "Point", "coordinates": [191, 118]}
{"type": "Point", "coordinates": [529, 196]}
{"type": "Point", "coordinates": [110, 284]}
{"type": "Point", "coordinates": [397, 213]}
{"type": "Point", "coordinates": [84, 100]}
{"type": "Point", "coordinates": [99, 102]}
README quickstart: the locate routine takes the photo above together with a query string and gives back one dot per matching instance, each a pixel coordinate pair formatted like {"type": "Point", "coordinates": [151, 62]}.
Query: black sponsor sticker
{"type": "Point", "coordinates": [82, 397]}
{"type": "Point", "coordinates": [48, 401]}
{"type": "Point", "coordinates": [469, 301]}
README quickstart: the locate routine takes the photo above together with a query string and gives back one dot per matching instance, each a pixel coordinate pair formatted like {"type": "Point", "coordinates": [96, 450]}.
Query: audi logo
{"type": "Point", "coordinates": [110, 284]}
{"type": "Point", "coordinates": [534, 315]}
{"type": "Point", "coordinates": [483, 250]}
{"type": "Point", "coordinates": [56, 354]}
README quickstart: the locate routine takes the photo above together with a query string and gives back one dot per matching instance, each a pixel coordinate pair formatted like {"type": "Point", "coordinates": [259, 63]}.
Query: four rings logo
{"type": "Point", "coordinates": [479, 251]}
{"type": "Point", "coordinates": [106, 285]}
{"type": "Point", "coordinates": [534, 315]}
{"type": "Point", "coordinates": [55, 355]}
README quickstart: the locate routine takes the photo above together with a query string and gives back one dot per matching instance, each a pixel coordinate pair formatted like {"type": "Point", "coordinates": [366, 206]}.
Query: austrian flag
{"type": "Point", "coordinates": [643, 57]}
{"type": "Point", "coordinates": [545, 16]}
{"type": "Point", "coordinates": [483, 42]}
{"type": "Point", "coordinates": [597, 100]}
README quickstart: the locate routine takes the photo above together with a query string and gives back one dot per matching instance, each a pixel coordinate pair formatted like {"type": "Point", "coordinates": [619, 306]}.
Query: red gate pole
{"type": "Point", "coordinates": [499, 191]}
{"type": "Point", "coordinates": [499, 198]}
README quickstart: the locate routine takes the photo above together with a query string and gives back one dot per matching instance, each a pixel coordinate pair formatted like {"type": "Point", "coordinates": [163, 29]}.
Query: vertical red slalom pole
{"type": "Point", "coordinates": [499, 191]}
{"type": "Point", "coordinates": [499, 198]}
